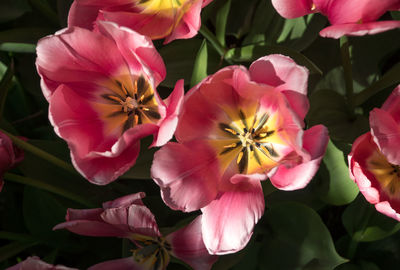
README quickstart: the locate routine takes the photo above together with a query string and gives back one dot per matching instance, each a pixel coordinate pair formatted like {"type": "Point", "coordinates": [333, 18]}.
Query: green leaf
{"type": "Point", "coordinates": [5, 84]}
{"type": "Point", "coordinates": [18, 47]}
{"type": "Point", "coordinates": [297, 239]}
{"type": "Point", "coordinates": [364, 223]}
{"type": "Point", "coordinates": [179, 60]}
{"type": "Point", "coordinates": [335, 186]}
{"type": "Point", "coordinates": [200, 65]}
{"type": "Point", "coordinates": [329, 108]}
{"type": "Point", "coordinates": [13, 9]}
{"type": "Point", "coordinates": [252, 52]}
{"type": "Point", "coordinates": [222, 18]}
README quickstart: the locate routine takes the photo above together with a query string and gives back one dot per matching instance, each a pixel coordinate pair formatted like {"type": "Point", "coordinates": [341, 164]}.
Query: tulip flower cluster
{"type": "Point", "coordinates": [220, 143]}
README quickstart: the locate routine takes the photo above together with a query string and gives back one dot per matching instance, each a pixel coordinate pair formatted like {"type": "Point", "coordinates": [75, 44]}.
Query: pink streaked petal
{"type": "Point", "coordinates": [228, 221]}
{"type": "Point", "coordinates": [187, 174]}
{"type": "Point", "coordinates": [135, 219]}
{"type": "Point", "coordinates": [82, 15]}
{"type": "Point", "coordinates": [92, 228]}
{"type": "Point", "coordinates": [357, 29]}
{"type": "Point", "coordinates": [290, 9]}
{"type": "Point", "coordinates": [386, 209]}
{"type": "Point", "coordinates": [125, 201]}
{"type": "Point", "coordinates": [77, 51]}
{"type": "Point", "coordinates": [386, 133]}
{"type": "Point", "coordinates": [362, 148]}
{"type": "Point", "coordinates": [392, 104]}
{"type": "Point", "coordinates": [101, 168]}
{"type": "Point", "coordinates": [189, 25]}
{"type": "Point", "coordinates": [298, 102]}
{"type": "Point", "coordinates": [138, 50]}
{"type": "Point", "coordinates": [353, 11]}
{"type": "Point", "coordinates": [315, 141]}
{"type": "Point", "coordinates": [187, 244]}
{"type": "Point", "coordinates": [34, 263]}
{"type": "Point", "coordinates": [280, 71]}
{"type": "Point", "coordinates": [119, 264]}
{"type": "Point", "coordinates": [168, 126]}
{"type": "Point", "coordinates": [246, 88]}
{"type": "Point", "coordinates": [84, 214]}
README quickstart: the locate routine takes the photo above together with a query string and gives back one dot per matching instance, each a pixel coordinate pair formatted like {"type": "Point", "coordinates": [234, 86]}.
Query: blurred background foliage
{"type": "Point", "coordinates": [327, 225]}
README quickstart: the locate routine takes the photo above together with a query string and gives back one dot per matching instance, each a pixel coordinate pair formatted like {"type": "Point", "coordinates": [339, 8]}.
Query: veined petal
{"type": "Point", "coordinates": [386, 133]}
{"type": "Point", "coordinates": [228, 221]}
{"type": "Point", "coordinates": [290, 9]}
{"type": "Point", "coordinates": [315, 141]}
{"type": "Point", "coordinates": [34, 263]}
{"type": "Point", "coordinates": [187, 244]}
{"type": "Point", "coordinates": [187, 175]}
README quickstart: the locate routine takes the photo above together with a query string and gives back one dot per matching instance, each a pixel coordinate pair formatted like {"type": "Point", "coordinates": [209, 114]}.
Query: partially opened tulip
{"type": "Point", "coordinates": [374, 161]}
{"type": "Point", "coordinates": [101, 87]}
{"type": "Point", "coordinates": [347, 17]}
{"type": "Point", "coordinates": [237, 128]}
{"type": "Point", "coordinates": [128, 217]}
{"type": "Point", "coordinates": [169, 19]}
{"type": "Point", "coordinates": [10, 155]}
{"type": "Point", "coordinates": [34, 263]}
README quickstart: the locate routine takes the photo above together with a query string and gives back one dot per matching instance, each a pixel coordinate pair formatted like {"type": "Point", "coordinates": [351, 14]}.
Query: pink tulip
{"type": "Point", "coordinates": [9, 156]}
{"type": "Point", "coordinates": [129, 218]}
{"type": "Point", "coordinates": [153, 18]}
{"type": "Point", "coordinates": [374, 161]}
{"type": "Point", "coordinates": [101, 87]}
{"type": "Point", "coordinates": [237, 128]}
{"type": "Point", "coordinates": [34, 263]}
{"type": "Point", "coordinates": [347, 17]}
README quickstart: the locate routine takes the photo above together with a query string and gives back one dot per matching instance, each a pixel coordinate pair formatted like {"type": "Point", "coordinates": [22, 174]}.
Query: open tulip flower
{"type": "Point", "coordinates": [347, 17]}
{"type": "Point", "coordinates": [34, 263]}
{"type": "Point", "coordinates": [374, 161]}
{"type": "Point", "coordinates": [237, 128]}
{"type": "Point", "coordinates": [9, 156]}
{"type": "Point", "coordinates": [101, 87]}
{"type": "Point", "coordinates": [128, 217]}
{"type": "Point", "coordinates": [170, 19]}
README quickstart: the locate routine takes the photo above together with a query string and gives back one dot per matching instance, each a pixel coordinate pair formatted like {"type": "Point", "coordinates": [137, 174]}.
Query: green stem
{"type": "Point", "coordinates": [207, 34]}
{"type": "Point", "coordinates": [45, 186]}
{"type": "Point", "coordinates": [40, 153]}
{"type": "Point", "coordinates": [348, 74]}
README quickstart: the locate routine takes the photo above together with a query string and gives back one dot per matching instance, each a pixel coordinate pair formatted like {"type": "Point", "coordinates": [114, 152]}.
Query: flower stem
{"type": "Point", "coordinates": [40, 153]}
{"type": "Point", "coordinates": [207, 34]}
{"type": "Point", "coordinates": [348, 74]}
{"type": "Point", "coordinates": [48, 187]}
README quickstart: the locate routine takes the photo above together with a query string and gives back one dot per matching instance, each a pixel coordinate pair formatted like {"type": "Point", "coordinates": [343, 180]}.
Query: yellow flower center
{"type": "Point", "coordinates": [387, 174]}
{"type": "Point", "coordinates": [152, 253]}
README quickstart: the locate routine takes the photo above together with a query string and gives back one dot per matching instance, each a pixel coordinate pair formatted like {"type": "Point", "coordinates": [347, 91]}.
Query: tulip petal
{"type": "Point", "coordinates": [187, 174]}
{"type": "Point", "coordinates": [34, 263]}
{"type": "Point", "coordinates": [315, 141]}
{"type": "Point", "coordinates": [187, 244]}
{"type": "Point", "coordinates": [392, 104]}
{"type": "Point", "coordinates": [119, 264]}
{"type": "Point", "coordinates": [386, 133]}
{"type": "Point", "coordinates": [228, 221]}
{"type": "Point", "coordinates": [357, 29]}
{"type": "Point", "coordinates": [290, 9]}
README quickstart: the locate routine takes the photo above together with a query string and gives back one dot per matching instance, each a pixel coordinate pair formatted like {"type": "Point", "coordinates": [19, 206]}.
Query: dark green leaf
{"type": "Point", "coordinates": [335, 186]}
{"type": "Point", "coordinates": [364, 223]}
{"type": "Point", "coordinates": [18, 47]}
{"type": "Point", "coordinates": [222, 18]}
{"type": "Point", "coordinates": [14, 248]}
{"type": "Point", "coordinates": [200, 65]}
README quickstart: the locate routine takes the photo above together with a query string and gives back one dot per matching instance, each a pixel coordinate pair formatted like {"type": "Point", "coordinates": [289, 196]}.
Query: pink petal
{"type": "Point", "coordinates": [228, 221]}
{"type": "Point", "coordinates": [77, 58]}
{"type": "Point", "coordinates": [187, 244]}
{"type": "Point", "coordinates": [386, 133]}
{"type": "Point", "coordinates": [357, 29]}
{"type": "Point", "coordinates": [10, 155]}
{"type": "Point", "coordinates": [34, 263]}
{"type": "Point", "coordinates": [386, 209]}
{"type": "Point", "coordinates": [353, 11]}
{"type": "Point", "coordinates": [190, 24]}
{"type": "Point", "coordinates": [137, 50]}
{"type": "Point", "coordinates": [315, 141]}
{"type": "Point", "coordinates": [119, 264]}
{"type": "Point", "coordinates": [290, 9]}
{"type": "Point", "coordinates": [392, 104]}
{"type": "Point", "coordinates": [168, 126]}
{"type": "Point", "coordinates": [125, 201]}
{"type": "Point", "coordinates": [280, 71]}
{"type": "Point", "coordinates": [187, 174]}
